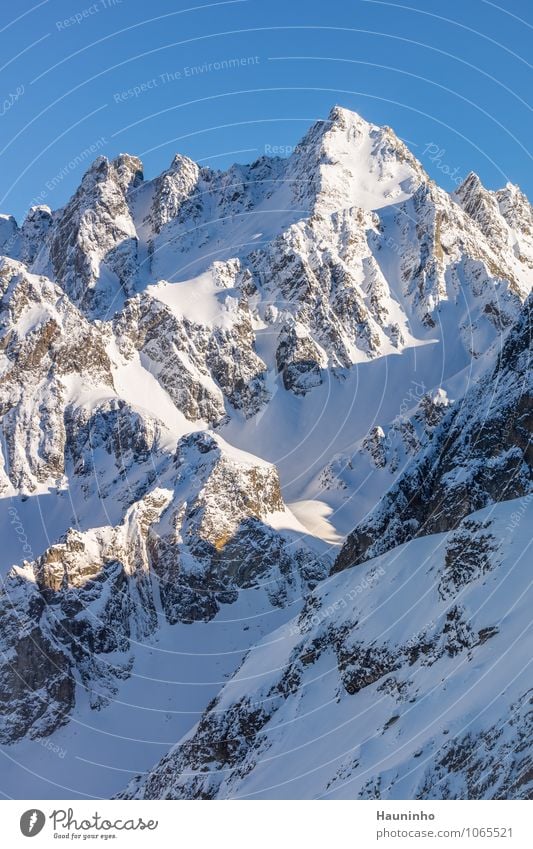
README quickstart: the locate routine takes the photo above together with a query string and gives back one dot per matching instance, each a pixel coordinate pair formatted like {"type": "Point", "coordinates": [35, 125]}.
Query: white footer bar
{"type": "Point", "coordinates": [269, 824]}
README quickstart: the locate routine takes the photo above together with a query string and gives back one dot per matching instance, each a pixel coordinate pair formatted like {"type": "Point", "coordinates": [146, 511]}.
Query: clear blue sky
{"type": "Point", "coordinates": [454, 75]}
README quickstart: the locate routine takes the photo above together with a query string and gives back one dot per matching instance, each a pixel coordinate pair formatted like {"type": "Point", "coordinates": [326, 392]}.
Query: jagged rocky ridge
{"type": "Point", "coordinates": [359, 266]}
{"type": "Point", "coordinates": [150, 325]}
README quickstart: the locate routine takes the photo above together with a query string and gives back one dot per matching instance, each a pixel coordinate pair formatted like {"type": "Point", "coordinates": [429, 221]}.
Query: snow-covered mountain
{"type": "Point", "coordinates": [217, 391]}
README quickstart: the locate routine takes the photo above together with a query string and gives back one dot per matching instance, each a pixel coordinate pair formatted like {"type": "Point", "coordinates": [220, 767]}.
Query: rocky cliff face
{"type": "Point", "coordinates": [201, 365]}
{"type": "Point", "coordinates": [215, 537]}
{"type": "Point", "coordinates": [46, 343]}
{"type": "Point", "coordinates": [93, 245]}
{"type": "Point", "coordinates": [77, 605]}
{"type": "Point", "coordinates": [152, 329]}
{"type": "Point", "coordinates": [188, 546]}
{"type": "Point", "coordinates": [480, 454]}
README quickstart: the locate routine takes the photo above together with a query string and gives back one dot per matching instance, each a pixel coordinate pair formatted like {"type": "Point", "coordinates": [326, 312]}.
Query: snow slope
{"type": "Point", "coordinates": [402, 679]}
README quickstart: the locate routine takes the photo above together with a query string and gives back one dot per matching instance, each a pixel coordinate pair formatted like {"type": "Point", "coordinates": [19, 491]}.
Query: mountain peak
{"type": "Point", "coordinates": [180, 161]}
{"type": "Point", "coordinates": [354, 163]}
{"type": "Point", "coordinates": [129, 170]}
{"type": "Point", "coordinates": [342, 123]}
{"type": "Point", "coordinates": [125, 169]}
{"type": "Point", "coordinates": [340, 116]}
{"type": "Point", "coordinates": [471, 182]}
